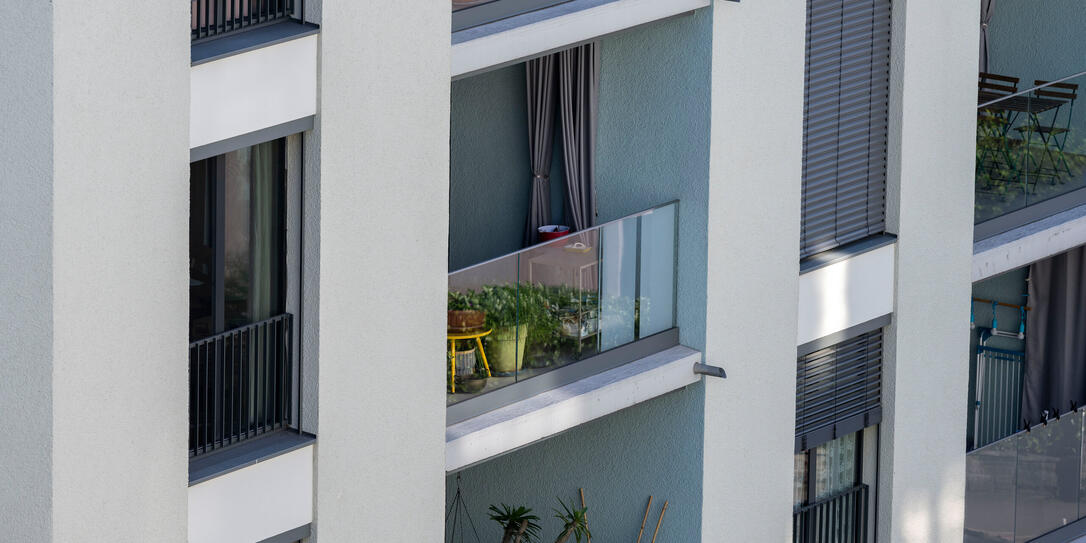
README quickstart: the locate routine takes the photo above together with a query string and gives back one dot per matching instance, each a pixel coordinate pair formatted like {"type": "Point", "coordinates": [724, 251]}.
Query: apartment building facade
{"type": "Point", "coordinates": [756, 318]}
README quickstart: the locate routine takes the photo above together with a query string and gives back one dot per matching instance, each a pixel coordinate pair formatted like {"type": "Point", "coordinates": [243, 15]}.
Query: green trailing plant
{"type": "Point", "coordinates": [464, 301]}
{"type": "Point", "coordinates": [518, 524]}
{"type": "Point", "coordinates": [574, 522]}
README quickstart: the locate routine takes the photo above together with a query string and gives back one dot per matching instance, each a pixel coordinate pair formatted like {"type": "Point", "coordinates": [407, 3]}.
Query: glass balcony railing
{"type": "Point", "coordinates": [469, 13]}
{"type": "Point", "coordinates": [1027, 484]}
{"type": "Point", "coordinates": [560, 302]}
{"type": "Point", "coordinates": [1031, 147]}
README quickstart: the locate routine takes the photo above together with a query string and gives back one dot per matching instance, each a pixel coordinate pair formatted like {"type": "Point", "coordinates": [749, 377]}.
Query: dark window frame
{"type": "Point", "coordinates": [215, 176]}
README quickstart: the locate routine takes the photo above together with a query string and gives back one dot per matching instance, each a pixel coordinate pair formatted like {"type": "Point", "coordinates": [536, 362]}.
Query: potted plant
{"type": "Point", "coordinates": [505, 345]}
{"type": "Point", "coordinates": [574, 522]}
{"type": "Point", "coordinates": [465, 311]}
{"type": "Point", "coordinates": [518, 524]}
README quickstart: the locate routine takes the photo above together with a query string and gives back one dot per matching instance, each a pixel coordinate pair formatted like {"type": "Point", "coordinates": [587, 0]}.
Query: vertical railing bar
{"type": "Point", "coordinates": [206, 388]}
{"type": "Point", "coordinates": [288, 374]}
{"type": "Point", "coordinates": [220, 391]}
{"type": "Point", "coordinates": [269, 382]}
{"type": "Point", "coordinates": [262, 384]}
{"type": "Point", "coordinates": [254, 382]}
{"type": "Point", "coordinates": [238, 362]}
{"type": "Point", "coordinates": [278, 373]}
{"type": "Point", "coordinates": [265, 360]}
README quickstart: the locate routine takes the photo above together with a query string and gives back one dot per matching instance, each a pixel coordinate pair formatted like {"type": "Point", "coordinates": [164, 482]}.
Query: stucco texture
{"type": "Point", "coordinates": [652, 148]}
{"type": "Point", "coordinates": [384, 102]}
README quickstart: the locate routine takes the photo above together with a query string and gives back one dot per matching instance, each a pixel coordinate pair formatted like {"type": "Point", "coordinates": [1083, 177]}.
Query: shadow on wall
{"type": "Point", "coordinates": [618, 460]}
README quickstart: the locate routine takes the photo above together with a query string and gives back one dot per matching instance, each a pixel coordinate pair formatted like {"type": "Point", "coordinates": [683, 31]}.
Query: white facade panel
{"type": "Point", "coordinates": [254, 90]}
{"type": "Point", "coordinates": [255, 502]}
{"type": "Point", "coordinates": [1030, 243]}
{"type": "Point", "coordinates": [557, 32]}
{"type": "Point", "coordinates": [846, 293]}
{"type": "Point", "coordinates": [558, 410]}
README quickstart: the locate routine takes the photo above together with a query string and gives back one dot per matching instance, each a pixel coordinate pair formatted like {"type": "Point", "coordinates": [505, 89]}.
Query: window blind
{"type": "Point", "coordinates": [846, 99]}
{"type": "Point", "coordinates": [838, 390]}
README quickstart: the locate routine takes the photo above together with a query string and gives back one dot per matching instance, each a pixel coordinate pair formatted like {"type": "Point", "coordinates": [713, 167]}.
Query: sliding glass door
{"type": "Point", "coordinates": [237, 239]}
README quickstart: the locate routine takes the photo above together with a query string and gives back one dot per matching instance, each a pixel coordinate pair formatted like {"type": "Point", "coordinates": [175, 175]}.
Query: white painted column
{"type": "Point", "coordinates": [930, 207]}
{"type": "Point", "coordinates": [753, 269]}
{"type": "Point", "coordinates": [384, 153]}
{"type": "Point", "coordinates": [94, 226]}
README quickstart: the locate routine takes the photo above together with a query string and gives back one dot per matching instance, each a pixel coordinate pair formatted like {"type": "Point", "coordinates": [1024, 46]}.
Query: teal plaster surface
{"type": "Point", "coordinates": [488, 166]}
{"type": "Point", "coordinates": [653, 147]}
{"type": "Point", "coordinates": [651, 448]}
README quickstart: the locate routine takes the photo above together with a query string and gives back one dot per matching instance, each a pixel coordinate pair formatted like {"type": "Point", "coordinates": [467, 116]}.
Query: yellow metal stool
{"type": "Point", "coordinates": [453, 337]}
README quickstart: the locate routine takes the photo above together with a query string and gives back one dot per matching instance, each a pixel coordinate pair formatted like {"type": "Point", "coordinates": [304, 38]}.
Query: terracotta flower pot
{"type": "Point", "coordinates": [463, 321]}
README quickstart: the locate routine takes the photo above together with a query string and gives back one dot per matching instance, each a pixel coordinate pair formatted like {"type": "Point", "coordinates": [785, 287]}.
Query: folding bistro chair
{"type": "Point", "coordinates": [1053, 136]}
{"type": "Point", "coordinates": [993, 125]}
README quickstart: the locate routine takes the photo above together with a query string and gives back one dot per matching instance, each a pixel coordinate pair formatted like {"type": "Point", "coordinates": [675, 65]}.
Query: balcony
{"type": "Point", "coordinates": [1028, 484]}
{"type": "Point", "coordinates": [841, 518]}
{"type": "Point", "coordinates": [471, 13]}
{"type": "Point", "coordinates": [241, 384]}
{"type": "Point", "coordinates": [547, 315]}
{"type": "Point", "coordinates": [214, 18]}
{"type": "Point", "coordinates": [1031, 151]}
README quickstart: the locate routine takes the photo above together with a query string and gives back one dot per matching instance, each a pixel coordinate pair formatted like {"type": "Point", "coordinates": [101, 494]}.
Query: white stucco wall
{"type": "Point", "coordinates": [753, 269]}
{"type": "Point", "coordinates": [930, 207]}
{"type": "Point", "coordinates": [95, 221]}
{"type": "Point", "coordinates": [384, 144]}
{"type": "Point", "coordinates": [120, 271]}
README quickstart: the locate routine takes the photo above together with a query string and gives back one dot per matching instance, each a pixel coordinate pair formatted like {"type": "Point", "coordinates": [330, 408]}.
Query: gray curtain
{"type": "Point", "coordinates": [578, 84]}
{"type": "Point", "coordinates": [541, 101]}
{"type": "Point", "coordinates": [987, 7]}
{"type": "Point", "coordinates": [1055, 340]}
{"type": "Point", "coordinates": [265, 235]}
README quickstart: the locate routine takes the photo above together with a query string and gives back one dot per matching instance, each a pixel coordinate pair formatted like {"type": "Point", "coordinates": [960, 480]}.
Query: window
{"type": "Point", "coordinates": [236, 239]}
{"type": "Point", "coordinates": [837, 468]}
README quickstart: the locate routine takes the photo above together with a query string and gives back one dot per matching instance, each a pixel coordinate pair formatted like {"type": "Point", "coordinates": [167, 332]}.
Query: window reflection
{"type": "Point", "coordinates": [236, 239]}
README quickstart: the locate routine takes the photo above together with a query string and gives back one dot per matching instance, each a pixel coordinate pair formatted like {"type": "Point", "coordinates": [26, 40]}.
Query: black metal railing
{"type": "Point", "coordinates": [841, 518]}
{"type": "Point", "coordinates": [241, 384]}
{"type": "Point", "coordinates": [212, 18]}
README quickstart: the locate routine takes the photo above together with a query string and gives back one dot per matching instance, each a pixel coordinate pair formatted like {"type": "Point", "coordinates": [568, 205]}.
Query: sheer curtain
{"type": "Point", "coordinates": [265, 240]}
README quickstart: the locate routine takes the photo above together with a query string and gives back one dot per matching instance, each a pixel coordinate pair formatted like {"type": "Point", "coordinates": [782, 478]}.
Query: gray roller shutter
{"type": "Point", "coordinates": [838, 390]}
{"type": "Point", "coordinates": [844, 124]}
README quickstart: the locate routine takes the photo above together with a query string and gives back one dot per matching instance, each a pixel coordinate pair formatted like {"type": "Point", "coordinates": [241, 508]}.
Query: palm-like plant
{"type": "Point", "coordinates": [574, 522]}
{"type": "Point", "coordinates": [518, 524]}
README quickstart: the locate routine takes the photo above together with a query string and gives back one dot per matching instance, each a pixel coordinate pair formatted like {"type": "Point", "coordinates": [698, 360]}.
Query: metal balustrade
{"type": "Point", "coordinates": [211, 18]}
{"type": "Point", "coordinates": [841, 518]}
{"type": "Point", "coordinates": [241, 384]}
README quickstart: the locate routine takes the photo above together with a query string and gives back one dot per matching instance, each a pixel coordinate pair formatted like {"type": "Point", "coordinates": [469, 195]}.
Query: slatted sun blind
{"type": "Point", "coordinates": [838, 390]}
{"type": "Point", "coordinates": [844, 126]}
